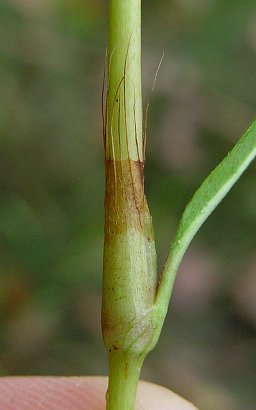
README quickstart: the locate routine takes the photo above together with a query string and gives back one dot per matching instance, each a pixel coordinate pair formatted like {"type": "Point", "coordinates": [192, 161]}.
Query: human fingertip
{"type": "Point", "coordinates": [154, 397]}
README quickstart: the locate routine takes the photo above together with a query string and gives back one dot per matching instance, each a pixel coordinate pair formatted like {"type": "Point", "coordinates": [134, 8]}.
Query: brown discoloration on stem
{"type": "Point", "coordinates": [125, 202]}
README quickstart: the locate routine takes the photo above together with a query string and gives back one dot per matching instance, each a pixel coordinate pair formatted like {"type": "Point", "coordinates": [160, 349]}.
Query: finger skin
{"type": "Point", "coordinates": [78, 393]}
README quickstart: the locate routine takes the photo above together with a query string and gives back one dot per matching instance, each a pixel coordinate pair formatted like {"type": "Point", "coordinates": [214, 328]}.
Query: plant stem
{"type": "Point", "coordinates": [124, 128]}
{"type": "Point", "coordinates": [129, 268]}
{"type": "Point", "coordinates": [124, 375]}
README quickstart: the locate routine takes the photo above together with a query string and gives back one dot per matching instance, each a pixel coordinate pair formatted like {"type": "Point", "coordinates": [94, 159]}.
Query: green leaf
{"type": "Point", "coordinates": [204, 201]}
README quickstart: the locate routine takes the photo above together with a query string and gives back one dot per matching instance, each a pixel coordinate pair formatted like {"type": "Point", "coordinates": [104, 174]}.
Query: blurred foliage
{"type": "Point", "coordinates": [52, 188]}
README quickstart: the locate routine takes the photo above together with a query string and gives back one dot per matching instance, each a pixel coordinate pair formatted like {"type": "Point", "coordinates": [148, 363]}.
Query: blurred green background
{"type": "Point", "coordinates": [52, 188]}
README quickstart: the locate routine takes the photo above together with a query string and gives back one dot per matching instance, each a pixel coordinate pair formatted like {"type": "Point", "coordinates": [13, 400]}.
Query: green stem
{"type": "Point", "coordinates": [129, 268]}
{"type": "Point", "coordinates": [124, 372]}
{"type": "Point", "coordinates": [124, 100]}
